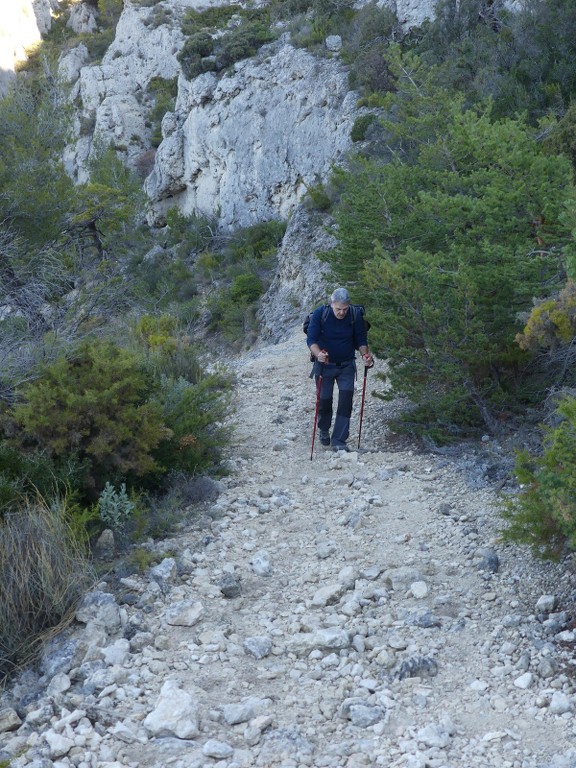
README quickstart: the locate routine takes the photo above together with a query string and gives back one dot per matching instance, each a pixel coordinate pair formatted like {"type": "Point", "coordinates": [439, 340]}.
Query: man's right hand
{"type": "Point", "coordinates": [322, 356]}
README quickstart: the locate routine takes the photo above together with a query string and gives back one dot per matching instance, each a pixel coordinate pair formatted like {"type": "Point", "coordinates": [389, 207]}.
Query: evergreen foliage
{"type": "Point", "coordinates": [543, 514]}
{"type": "Point", "coordinates": [113, 416]}
{"type": "Point", "coordinates": [93, 407]}
{"type": "Point", "coordinates": [214, 43]}
{"type": "Point", "coordinates": [442, 243]}
{"type": "Point", "coordinates": [524, 60]}
{"type": "Point", "coordinates": [35, 190]}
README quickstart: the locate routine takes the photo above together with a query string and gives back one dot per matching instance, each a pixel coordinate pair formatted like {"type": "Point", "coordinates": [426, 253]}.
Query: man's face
{"type": "Point", "coordinates": [340, 309]}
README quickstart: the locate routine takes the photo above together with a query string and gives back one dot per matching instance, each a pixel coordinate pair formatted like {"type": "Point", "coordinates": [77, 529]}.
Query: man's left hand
{"type": "Point", "coordinates": [368, 360]}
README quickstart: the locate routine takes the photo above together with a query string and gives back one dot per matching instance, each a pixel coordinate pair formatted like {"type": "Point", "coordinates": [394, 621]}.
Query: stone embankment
{"type": "Point", "coordinates": [347, 611]}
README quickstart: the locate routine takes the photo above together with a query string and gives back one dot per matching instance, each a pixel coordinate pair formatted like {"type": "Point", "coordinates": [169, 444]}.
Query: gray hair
{"type": "Point", "coordinates": [340, 295]}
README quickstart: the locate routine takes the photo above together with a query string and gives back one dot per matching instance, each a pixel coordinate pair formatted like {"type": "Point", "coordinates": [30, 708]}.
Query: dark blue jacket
{"type": "Point", "coordinates": [340, 338]}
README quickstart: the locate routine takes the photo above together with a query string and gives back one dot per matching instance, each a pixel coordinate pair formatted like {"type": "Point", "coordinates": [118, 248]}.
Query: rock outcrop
{"type": "Point", "coordinates": [242, 147]}
{"type": "Point", "coordinates": [252, 143]}
{"type": "Point", "coordinates": [301, 281]}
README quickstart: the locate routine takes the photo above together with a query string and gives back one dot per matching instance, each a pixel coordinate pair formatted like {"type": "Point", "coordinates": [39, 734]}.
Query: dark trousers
{"type": "Point", "coordinates": [344, 376]}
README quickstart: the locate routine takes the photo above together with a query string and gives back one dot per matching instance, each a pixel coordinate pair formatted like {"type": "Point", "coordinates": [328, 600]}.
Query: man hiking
{"type": "Point", "coordinates": [333, 338]}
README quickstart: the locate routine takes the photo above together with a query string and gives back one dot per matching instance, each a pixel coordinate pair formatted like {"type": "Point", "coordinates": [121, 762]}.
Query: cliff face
{"type": "Point", "coordinates": [242, 147]}
{"type": "Point", "coordinates": [250, 144]}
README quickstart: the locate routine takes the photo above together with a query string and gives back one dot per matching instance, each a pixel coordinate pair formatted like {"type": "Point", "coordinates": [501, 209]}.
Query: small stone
{"type": "Point", "coordinates": [261, 564]}
{"type": "Point", "coordinates": [238, 713]}
{"type": "Point", "coordinates": [546, 604]}
{"type": "Point", "coordinates": [259, 647]}
{"type": "Point", "coordinates": [559, 704]}
{"type": "Point", "coordinates": [186, 613]}
{"type": "Point", "coordinates": [333, 43]}
{"type": "Point", "coordinates": [524, 681]}
{"type": "Point", "coordinates": [434, 735]}
{"type": "Point", "coordinates": [328, 595]}
{"type": "Point", "coordinates": [9, 720]}
{"type": "Point", "coordinates": [489, 561]}
{"type": "Point", "coordinates": [230, 586]}
{"type": "Point", "coordinates": [325, 549]}
{"type": "Point", "coordinates": [217, 749]}
{"type": "Point", "coordinates": [419, 589]}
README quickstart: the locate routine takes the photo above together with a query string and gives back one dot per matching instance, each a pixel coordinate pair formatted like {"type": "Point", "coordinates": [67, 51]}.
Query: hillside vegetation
{"type": "Point", "coordinates": [456, 219]}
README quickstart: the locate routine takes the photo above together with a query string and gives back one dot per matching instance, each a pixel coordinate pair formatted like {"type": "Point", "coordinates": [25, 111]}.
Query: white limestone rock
{"type": "Point", "coordinates": [175, 713]}
{"type": "Point", "coordinates": [253, 142]}
{"type": "Point", "coordinates": [83, 19]}
{"type": "Point", "coordinates": [301, 279]}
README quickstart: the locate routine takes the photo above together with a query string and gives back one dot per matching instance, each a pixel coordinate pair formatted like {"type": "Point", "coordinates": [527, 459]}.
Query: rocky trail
{"type": "Point", "coordinates": [353, 610]}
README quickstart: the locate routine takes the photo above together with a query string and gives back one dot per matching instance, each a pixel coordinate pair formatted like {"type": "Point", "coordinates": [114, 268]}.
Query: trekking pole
{"type": "Point", "coordinates": [319, 387]}
{"type": "Point", "coordinates": [362, 406]}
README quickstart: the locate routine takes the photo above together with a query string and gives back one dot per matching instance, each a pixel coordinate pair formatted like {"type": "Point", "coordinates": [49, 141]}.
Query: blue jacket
{"type": "Point", "coordinates": [340, 338]}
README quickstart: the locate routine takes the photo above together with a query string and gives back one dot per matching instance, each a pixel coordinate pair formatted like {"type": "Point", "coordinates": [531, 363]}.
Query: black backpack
{"type": "Point", "coordinates": [353, 314]}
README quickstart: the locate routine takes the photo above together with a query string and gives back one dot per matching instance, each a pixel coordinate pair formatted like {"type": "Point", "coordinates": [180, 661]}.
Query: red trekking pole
{"type": "Point", "coordinates": [319, 387]}
{"type": "Point", "coordinates": [362, 406]}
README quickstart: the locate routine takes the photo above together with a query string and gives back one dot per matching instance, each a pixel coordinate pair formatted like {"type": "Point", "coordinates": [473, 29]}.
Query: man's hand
{"type": "Point", "coordinates": [368, 360]}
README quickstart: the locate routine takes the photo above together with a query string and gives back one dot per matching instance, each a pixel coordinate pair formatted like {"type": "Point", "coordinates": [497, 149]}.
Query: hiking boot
{"type": "Point", "coordinates": [342, 447]}
{"type": "Point", "coordinates": [324, 437]}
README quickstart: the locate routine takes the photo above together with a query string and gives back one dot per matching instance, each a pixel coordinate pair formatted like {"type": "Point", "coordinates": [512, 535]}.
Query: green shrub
{"type": "Point", "coordinates": [164, 281]}
{"type": "Point", "coordinates": [246, 288]}
{"type": "Point", "coordinates": [257, 242]}
{"type": "Point", "coordinates": [167, 353]}
{"type": "Point", "coordinates": [194, 414]}
{"type": "Point", "coordinates": [236, 321]}
{"type": "Point", "coordinates": [37, 195]}
{"type": "Point", "coordinates": [193, 56]}
{"type": "Point", "coordinates": [209, 18]}
{"type": "Point", "coordinates": [164, 93]}
{"type": "Point", "coordinates": [543, 514]}
{"type": "Point", "coordinates": [192, 233]}
{"type": "Point", "coordinates": [141, 559]}
{"type": "Point", "coordinates": [160, 15]}
{"type": "Point", "coordinates": [317, 197]}
{"type": "Point", "coordinates": [453, 256]}
{"type": "Point", "coordinates": [110, 11]}
{"type": "Point", "coordinates": [242, 42]}
{"type": "Point", "coordinates": [93, 406]}
{"type": "Point", "coordinates": [207, 50]}
{"type": "Point", "coordinates": [361, 125]}
{"type": "Point", "coordinates": [26, 475]}
{"type": "Point", "coordinates": [43, 573]}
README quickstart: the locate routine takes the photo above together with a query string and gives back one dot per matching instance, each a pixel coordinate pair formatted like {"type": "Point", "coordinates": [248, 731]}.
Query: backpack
{"type": "Point", "coordinates": [353, 314]}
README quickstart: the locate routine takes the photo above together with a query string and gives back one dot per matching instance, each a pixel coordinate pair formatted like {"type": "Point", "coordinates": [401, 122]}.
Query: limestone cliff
{"type": "Point", "coordinates": [250, 144]}
{"type": "Point", "coordinates": [242, 147]}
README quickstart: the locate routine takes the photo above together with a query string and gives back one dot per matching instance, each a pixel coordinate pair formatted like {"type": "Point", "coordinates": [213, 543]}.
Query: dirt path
{"type": "Point", "coordinates": [354, 610]}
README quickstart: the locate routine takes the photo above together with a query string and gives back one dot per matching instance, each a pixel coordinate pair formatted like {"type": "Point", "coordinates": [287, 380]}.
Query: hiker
{"type": "Point", "coordinates": [333, 338]}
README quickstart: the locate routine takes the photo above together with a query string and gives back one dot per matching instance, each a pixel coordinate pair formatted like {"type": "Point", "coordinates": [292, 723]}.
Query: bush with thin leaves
{"type": "Point", "coordinates": [543, 514]}
{"type": "Point", "coordinates": [43, 573]}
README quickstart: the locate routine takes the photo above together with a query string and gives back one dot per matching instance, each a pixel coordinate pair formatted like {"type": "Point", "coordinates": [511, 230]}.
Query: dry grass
{"type": "Point", "coordinates": [44, 570]}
